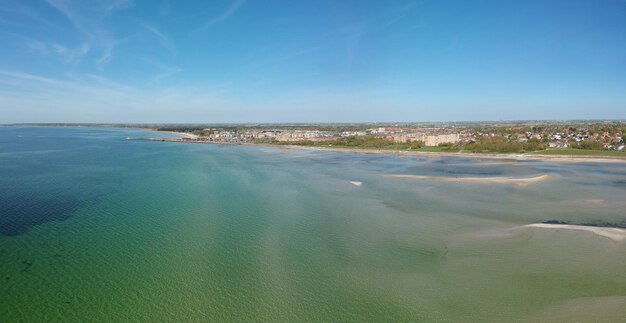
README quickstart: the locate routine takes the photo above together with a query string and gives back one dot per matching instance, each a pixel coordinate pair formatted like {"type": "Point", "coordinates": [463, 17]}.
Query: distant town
{"type": "Point", "coordinates": [553, 137]}
{"type": "Point", "coordinates": [487, 137]}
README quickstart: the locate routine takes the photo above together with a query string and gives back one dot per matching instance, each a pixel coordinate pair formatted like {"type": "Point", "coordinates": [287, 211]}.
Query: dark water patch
{"type": "Point", "coordinates": [589, 183]}
{"type": "Point", "coordinates": [559, 170]}
{"type": "Point", "coordinates": [605, 224]}
{"type": "Point", "coordinates": [20, 213]}
{"type": "Point", "coordinates": [587, 168]}
{"type": "Point", "coordinates": [26, 264]}
{"type": "Point", "coordinates": [555, 222]}
{"type": "Point", "coordinates": [444, 161]}
{"type": "Point", "coordinates": [616, 184]}
{"type": "Point", "coordinates": [603, 171]}
{"type": "Point", "coordinates": [592, 223]}
{"type": "Point", "coordinates": [619, 183]}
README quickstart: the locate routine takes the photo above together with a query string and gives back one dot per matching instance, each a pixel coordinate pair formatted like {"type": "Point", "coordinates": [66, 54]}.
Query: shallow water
{"type": "Point", "coordinates": [97, 228]}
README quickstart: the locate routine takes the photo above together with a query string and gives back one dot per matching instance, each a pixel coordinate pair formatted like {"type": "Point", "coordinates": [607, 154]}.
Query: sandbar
{"type": "Point", "coordinates": [615, 234]}
{"type": "Point", "coordinates": [509, 156]}
{"type": "Point", "coordinates": [481, 180]}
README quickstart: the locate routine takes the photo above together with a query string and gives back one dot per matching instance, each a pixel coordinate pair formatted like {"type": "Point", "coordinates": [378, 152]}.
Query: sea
{"type": "Point", "coordinates": [94, 227]}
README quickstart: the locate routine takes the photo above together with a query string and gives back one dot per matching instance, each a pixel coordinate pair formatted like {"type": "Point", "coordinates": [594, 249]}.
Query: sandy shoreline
{"type": "Point", "coordinates": [481, 180]}
{"type": "Point", "coordinates": [615, 234]}
{"type": "Point", "coordinates": [517, 157]}
{"type": "Point", "coordinates": [180, 134]}
{"type": "Point", "coordinates": [503, 156]}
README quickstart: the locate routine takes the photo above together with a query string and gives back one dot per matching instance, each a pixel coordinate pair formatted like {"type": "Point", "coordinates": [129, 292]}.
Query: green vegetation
{"type": "Point", "coordinates": [588, 145]}
{"type": "Point", "coordinates": [503, 145]}
{"type": "Point", "coordinates": [372, 142]}
{"type": "Point", "coordinates": [365, 142]}
{"type": "Point", "coordinates": [581, 152]}
{"type": "Point", "coordinates": [485, 137]}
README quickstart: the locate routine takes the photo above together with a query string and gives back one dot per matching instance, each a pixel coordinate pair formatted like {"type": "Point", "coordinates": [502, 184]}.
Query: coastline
{"type": "Point", "coordinates": [500, 156]}
{"type": "Point", "coordinates": [179, 134]}
{"type": "Point", "coordinates": [518, 157]}
{"type": "Point", "coordinates": [496, 156]}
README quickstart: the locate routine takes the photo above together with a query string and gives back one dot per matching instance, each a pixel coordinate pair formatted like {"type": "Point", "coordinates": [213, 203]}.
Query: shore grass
{"type": "Point", "coordinates": [579, 152]}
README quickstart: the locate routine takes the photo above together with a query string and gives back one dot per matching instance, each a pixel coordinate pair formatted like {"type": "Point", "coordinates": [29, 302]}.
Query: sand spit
{"type": "Point", "coordinates": [615, 234]}
{"type": "Point", "coordinates": [356, 183]}
{"type": "Point", "coordinates": [481, 180]}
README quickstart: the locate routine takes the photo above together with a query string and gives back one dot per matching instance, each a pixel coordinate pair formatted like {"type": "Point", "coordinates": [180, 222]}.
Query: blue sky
{"type": "Point", "coordinates": [311, 61]}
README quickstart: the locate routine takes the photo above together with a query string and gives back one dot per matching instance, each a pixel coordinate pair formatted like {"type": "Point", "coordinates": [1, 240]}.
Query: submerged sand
{"type": "Point", "coordinates": [492, 156]}
{"type": "Point", "coordinates": [482, 180]}
{"type": "Point", "coordinates": [615, 234]}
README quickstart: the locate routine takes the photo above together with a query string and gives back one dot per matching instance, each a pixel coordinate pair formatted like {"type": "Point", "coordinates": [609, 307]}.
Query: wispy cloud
{"type": "Point", "coordinates": [92, 98]}
{"type": "Point", "coordinates": [105, 58]}
{"type": "Point", "coordinates": [87, 21]}
{"type": "Point", "coordinates": [37, 47]}
{"type": "Point", "coordinates": [72, 55]}
{"type": "Point", "coordinates": [113, 5]}
{"type": "Point", "coordinates": [353, 35]}
{"type": "Point", "coordinates": [165, 71]}
{"type": "Point", "coordinates": [22, 15]}
{"type": "Point", "coordinates": [161, 38]}
{"type": "Point", "coordinates": [230, 11]}
{"type": "Point", "coordinates": [165, 74]}
{"type": "Point", "coordinates": [65, 8]}
{"type": "Point", "coordinates": [403, 11]}
{"type": "Point", "coordinates": [68, 54]}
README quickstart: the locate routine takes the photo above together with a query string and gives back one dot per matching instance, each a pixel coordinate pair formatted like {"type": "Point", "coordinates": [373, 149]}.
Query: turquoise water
{"type": "Point", "coordinates": [97, 228]}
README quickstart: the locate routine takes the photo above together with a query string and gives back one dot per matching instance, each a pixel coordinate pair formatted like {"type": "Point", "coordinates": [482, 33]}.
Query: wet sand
{"type": "Point", "coordinates": [492, 156]}
{"type": "Point", "coordinates": [615, 234]}
{"type": "Point", "coordinates": [482, 180]}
